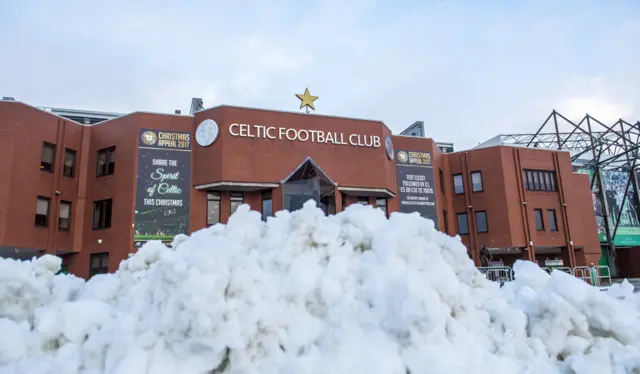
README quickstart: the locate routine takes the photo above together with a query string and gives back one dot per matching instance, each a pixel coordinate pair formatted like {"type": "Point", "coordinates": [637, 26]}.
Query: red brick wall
{"type": "Point", "coordinates": [242, 159]}
{"type": "Point", "coordinates": [122, 133]}
{"type": "Point", "coordinates": [23, 130]}
{"type": "Point", "coordinates": [235, 159]}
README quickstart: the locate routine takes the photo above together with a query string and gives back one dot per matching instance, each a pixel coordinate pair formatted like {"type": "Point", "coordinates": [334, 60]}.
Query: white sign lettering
{"type": "Point", "coordinates": [161, 186]}
{"type": "Point", "coordinates": [302, 135]}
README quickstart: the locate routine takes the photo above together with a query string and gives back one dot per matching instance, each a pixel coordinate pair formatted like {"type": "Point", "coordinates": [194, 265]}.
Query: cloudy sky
{"type": "Point", "coordinates": [468, 69]}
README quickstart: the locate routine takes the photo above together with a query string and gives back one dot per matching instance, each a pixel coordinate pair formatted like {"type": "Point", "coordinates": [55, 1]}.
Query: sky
{"type": "Point", "coordinates": [468, 69]}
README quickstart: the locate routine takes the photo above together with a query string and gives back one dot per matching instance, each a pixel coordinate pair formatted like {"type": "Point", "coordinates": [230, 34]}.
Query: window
{"type": "Point", "coordinates": [539, 221]}
{"type": "Point", "coordinates": [458, 185]}
{"type": "Point", "coordinates": [98, 264]}
{"type": "Point", "coordinates": [363, 200]}
{"type": "Point", "coordinates": [47, 158]}
{"type": "Point", "coordinates": [64, 220]}
{"type": "Point", "coordinates": [476, 181]}
{"type": "Point", "coordinates": [540, 180]}
{"type": "Point", "coordinates": [463, 224]}
{"type": "Point", "coordinates": [64, 269]}
{"type": "Point", "coordinates": [551, 216]}
{"type": "Point", "coordinates": [529, 181]}
{"type": "Point", "coordinates": [213, 208]}
{"type": "Point", "coordinates": [237, 198]}
{"type": "Point", "coordinates": [446, 221]}
{"type": "Point", "coordinates": [441, 174]}
{"type": "Point", "coordinates": [481, 221]}
{"type": "Point", "coordinates": [42, 211]}
{"type": "Point", "coordinates": [102, 214]}
{"type": "Point", "coordinates": [382, 205]}
{"type": "Point", "coordinates": [308, 182]}
{"type": "Point", "coordinates": [69, 162]}
{"type": "Point", "coordinates": [267, 204]}
{"type": "Point", "coordinates": [106, 161]}
{"type": "Point", "coordinates": [547, 182]}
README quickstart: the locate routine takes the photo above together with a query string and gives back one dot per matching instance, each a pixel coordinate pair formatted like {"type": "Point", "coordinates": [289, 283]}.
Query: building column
{"type": "Point", "coordinates": [277, 199]}
{"type": "Point", "coordinates": [524, 210]}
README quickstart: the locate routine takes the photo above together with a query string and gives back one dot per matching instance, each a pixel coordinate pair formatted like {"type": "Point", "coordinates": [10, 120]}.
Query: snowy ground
{"type": "Point", "coordinates": [352, 293]}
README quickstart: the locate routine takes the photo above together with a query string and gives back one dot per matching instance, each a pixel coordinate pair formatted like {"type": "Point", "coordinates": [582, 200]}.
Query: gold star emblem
{"type": "Point", "coordinates": [306, 100]}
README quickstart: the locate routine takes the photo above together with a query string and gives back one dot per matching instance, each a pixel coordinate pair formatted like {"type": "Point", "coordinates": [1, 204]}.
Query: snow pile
{"type": "Point", "coordinates": [304, 293]}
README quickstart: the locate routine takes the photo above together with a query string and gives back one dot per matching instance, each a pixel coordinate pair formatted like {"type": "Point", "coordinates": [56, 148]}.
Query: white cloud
{"type": "Point", "coordinates": [469, 72]}
{"type": "Point", "coordinates": [602, 108]}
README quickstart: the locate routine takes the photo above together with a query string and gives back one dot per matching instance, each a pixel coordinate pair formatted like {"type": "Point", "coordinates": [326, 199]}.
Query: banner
{"type": "Point", "coordinates": [615, 182]}
{"type": "Point", "coordinates": [628, 233]}
{"type": "Point", "coordinates": [163, 185]}
{"type": "Point", "coordinates": [416, 183]}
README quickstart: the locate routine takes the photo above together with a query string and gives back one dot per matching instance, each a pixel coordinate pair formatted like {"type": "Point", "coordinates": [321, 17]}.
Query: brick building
{"type": "Point", "coordinates": [93, 193]}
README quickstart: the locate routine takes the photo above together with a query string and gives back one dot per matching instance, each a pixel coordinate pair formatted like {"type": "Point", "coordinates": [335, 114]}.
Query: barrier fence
{"type": "Point", "coordinates": [598, 276]}
{"type": "Point", "coordinates": [497, 273]}
{"type": "Point", "coordinates": [566, 269]}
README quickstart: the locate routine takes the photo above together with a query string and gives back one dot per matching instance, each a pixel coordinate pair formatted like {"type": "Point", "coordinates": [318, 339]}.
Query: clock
{"type": "Point", "coordinates": [388, 147]}
{"type": "Point", "coordinates": [207, 132]}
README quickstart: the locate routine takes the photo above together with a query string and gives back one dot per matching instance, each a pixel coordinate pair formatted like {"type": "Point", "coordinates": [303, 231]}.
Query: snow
{"type": "Point", "coordinates": [304, 293]}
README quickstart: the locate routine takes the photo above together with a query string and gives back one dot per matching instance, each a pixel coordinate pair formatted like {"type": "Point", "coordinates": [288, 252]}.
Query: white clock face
{"type": "Point", "coordinates": [388, 146]}
{"type": "Point", "coordinates": [207, 132]}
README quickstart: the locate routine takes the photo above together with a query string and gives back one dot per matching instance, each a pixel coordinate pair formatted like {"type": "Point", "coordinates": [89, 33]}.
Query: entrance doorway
{"type": "Point", "coordinates": [309, 182]}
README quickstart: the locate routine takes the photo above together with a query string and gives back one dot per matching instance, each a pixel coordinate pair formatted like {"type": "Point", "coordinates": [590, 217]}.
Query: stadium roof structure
{"type": "Point", "coordinates": [593, 145]}
{"type": "Point", "coordinates": [591, 142]}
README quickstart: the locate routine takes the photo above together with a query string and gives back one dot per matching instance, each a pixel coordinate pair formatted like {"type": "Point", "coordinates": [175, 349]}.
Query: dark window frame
{"type": "Point", "coordinates": [385, 204]}
{"type": "Point", "coordinates": [102, 214]}
{"type": "Point", "coordinates": [108, 168]}
{"type": "Point", "coordinates": [43, 164]}
{"type": "Point", "coordinates": [61, 220]}
{"type": "Point", "coordinates": [445, 221]}
{"type": "Point", "coordinates": [69, 171]}
{"type": "Point", "coordinates": [540, 180]}
{"type": "Point", "coordinates": [441, 175]}
{"type": "Point", "coordinates": [363, 199]}
{"type": "Point", "coordinates": [553, 220]}
{"type": "Point", "coordinates": [536, 181]}
{"type": "Point", "coordinates": [453, 178]}
{"type": "Point", "coordinates": [538, 213]}
{"type": "Point", "coordinates": [486, 221]}
{"type": "Point", "coordinates": [266, 195]}
{"type": "Point", "coordinates": [235, 199]}
{"type": "Point", "coordinates": [102, 268]}
{"type": "Point", "coordinates": [466, 216]}
{"type": "Point", "coordinates": [547, 182]}
{"type": "Point", "coordinates": [42, 222]}
{"type": "Point", "coordinates": [344, 201]}
{"type": "Point", "coordinates": [473, 186]}
{"type": "Point", "coordinates": [213, 196]}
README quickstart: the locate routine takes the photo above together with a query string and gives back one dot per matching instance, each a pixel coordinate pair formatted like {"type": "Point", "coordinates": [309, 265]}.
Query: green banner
{"type": "Point", "coordinates": [614, 181]}
{"type": "Point", "coordinates": [628, 232]}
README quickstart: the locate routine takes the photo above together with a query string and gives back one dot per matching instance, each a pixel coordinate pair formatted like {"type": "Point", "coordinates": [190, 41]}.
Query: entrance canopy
{"type": "Point", "coordinates": [309, 182]}
{"type": "Point", "coordinates": [364, 191]}
{"type": "Point", "coordinates": [236, 186]}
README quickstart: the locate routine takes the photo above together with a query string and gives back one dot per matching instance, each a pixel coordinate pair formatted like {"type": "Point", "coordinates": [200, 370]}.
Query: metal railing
{"type": "Point", "coordinates": [497, 273]}
{"type": "Point", "coordinates": [566, 269]}
{"type": "Point", "coordinates": [598, 276]}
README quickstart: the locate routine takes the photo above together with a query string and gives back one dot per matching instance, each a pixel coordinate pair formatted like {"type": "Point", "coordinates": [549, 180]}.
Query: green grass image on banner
{"type": "Point", "coordinates": [153, 237]}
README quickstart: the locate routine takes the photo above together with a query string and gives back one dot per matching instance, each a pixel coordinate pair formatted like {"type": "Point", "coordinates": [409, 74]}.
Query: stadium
{"type": "Point", "coordinates": [94, 189]}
